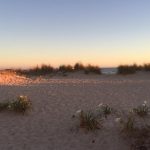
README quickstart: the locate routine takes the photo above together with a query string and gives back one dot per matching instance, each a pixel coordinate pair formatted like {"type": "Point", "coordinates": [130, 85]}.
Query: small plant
{"type": "Point", "coordinates": [128, 124]}
{"type": "Point", "coordinates": [4, 106]}
{"type": "Point", "coordinates": [89, 121]}
{"type": "Point", "coordinates": [142, 110]}
{"type": "Point", "coordinates": [21, 104]}
{"type": "Point", "coordinates": [104, 110]}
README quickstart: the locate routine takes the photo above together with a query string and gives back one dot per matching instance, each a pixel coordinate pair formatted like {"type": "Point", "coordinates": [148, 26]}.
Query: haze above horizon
{"type": "Point", "coordinates": [106, 33]}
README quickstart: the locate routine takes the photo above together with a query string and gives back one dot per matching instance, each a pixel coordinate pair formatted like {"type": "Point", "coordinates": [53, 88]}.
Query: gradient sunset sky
{"type": "Point", "coordinates": [103, 32]}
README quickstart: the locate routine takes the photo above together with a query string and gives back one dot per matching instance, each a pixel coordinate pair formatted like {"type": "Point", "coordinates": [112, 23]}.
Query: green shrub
{"type": "Point", "coordinates": [22, 104]}
{"type": "Point", "coordinates": [128, 124]}
{"type": "Point", "coordinates": [104, 110]}
{"type": "Point", "coordinates": [89, 121]}
{"type": "Point", "coordinates": [142, 110]}
{"type": "Point", "coordinates": [4, 106]}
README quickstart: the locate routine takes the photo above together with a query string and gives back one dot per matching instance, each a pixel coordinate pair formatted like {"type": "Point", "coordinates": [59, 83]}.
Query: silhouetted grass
{"type": "Point", "coordinates": [131, 69]}
{"type": "Point", "coordinates": [79, 67]}
{"type": "Point", "coordinates": [36, 71]}
{"type": "Point", "coordinates": [146, 67]}
{"type": "Point", "coordinates": [65, 68]}
{"type": "Point", "coordinates": [127, 69]}
{"type": "Point", "coordinates": [92, 69]}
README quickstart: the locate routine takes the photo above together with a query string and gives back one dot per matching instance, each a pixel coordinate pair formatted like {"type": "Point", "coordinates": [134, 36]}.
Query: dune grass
{"type": "Point", "coordinates": [37, 71]}
{"type": "Point", "coordinates": [92, 69]}
{"type": "Point", "coordinates": [146, 67]}
{"type": "Point", "coordinates": [131, 69]}
{"type": "Point", "coordinates": [132, 127]}
{"type": "Point", "coordinates": [48, 69]}
{"type": "Point", "coordinates": [142, 110]}
{"type": "Point", "coordinates": [127, 69]}
{"type": "Point", "coordinates": [89, 121]}
{"type": "Point", "coordinates": [65, 68]}
{"type": "Point", "coordinates": [79, 67]}
{"type": "Point", "coordinates": [104, 110]}
{"type": "Point", "coordinates": [21, 105]}
{"type": "Point", "coordinates": [4, 106]}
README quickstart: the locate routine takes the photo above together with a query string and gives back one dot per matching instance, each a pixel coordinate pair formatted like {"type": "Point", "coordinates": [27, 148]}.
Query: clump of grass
{"type": "Point", "coordinates": [65, 68]}
{"type": "Point", "coordinates": [146, 67]}
{"type": "Point", "coordinates": [104, 110]}
{"type": "Point", "coordinates": [37, 71]}
{"type": "Point", "coordinates": [4, 106]}
{"type": "Point", "coordinates": [127, 69]}
{"type": "Point", "coordinates": [79, 67]}
{"type": "Point", "coordinates": [128, 124]}
{"type": "Point", "coordinates": [22, 104]}
{"type": "Point", "coordinates": [88, 120]}
{"type": "Point", "coordinates": [142, 110]}
{"type": "Point", "coordinates": [92, 69]}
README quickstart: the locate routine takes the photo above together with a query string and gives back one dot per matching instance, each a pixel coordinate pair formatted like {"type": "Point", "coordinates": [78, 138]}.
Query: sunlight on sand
{"type": "Point", "coordinates": [11, 78]}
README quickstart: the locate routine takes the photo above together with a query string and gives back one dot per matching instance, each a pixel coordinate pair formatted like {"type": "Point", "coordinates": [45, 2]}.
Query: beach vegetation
{"type": "Point", "coordinates": [92, 69]}
{"type": "Point", "coordinates": [65, 68]}
{"type": "Point", "coordinates": [128, 124]}
{"type": "Point", "coordinates": [146, 67]}
{"type": "Point", "coordinates": [142, 110]}
{"type": "Point", "coordinates": [104, 110]}
{"type": "Point", "coordinates": [37, 71]}
{"type": "Point", "coordinates": [79, 67]}
{"type": "Point", "coordinates": [4, 106]}
{"type": "Point", "coordinates": [89, 121]}
{"type": "Point", "coordinates": [127, 69]}
{"type": "Point", "coordinates": [21, 104]}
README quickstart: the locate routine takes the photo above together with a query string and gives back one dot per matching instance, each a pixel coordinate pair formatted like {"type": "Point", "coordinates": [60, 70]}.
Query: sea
{"type": "Point", "coordinates": [109, 70]}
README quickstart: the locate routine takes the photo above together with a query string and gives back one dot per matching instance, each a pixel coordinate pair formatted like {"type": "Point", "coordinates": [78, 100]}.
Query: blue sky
{"type": "Point", "coordinates": [103, 32]}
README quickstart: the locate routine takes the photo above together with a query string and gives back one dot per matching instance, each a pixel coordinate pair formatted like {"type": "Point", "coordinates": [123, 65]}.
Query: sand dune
{"type": "Point", "coordinates": [49, 126]}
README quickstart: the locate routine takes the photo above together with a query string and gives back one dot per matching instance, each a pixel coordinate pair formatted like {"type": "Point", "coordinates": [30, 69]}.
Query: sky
{"type": "Point", "coordinates": [100, 32]}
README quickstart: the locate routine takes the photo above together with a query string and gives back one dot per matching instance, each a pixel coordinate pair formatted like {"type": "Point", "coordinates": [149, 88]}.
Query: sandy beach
{"type": "Point", "coordinates": [50, 126]}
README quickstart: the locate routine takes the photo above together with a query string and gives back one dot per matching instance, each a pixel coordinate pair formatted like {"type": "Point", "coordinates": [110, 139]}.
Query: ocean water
{"type": "Point", "coordinates": [109, 70]}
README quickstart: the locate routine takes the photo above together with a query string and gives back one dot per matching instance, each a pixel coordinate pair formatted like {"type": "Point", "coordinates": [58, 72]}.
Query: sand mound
{"type": "Point", "coordinates": [11, 78]}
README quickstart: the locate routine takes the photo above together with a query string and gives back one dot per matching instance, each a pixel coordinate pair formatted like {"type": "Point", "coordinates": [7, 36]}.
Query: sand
{"type": "Point", "coordinates": [50, 126]}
